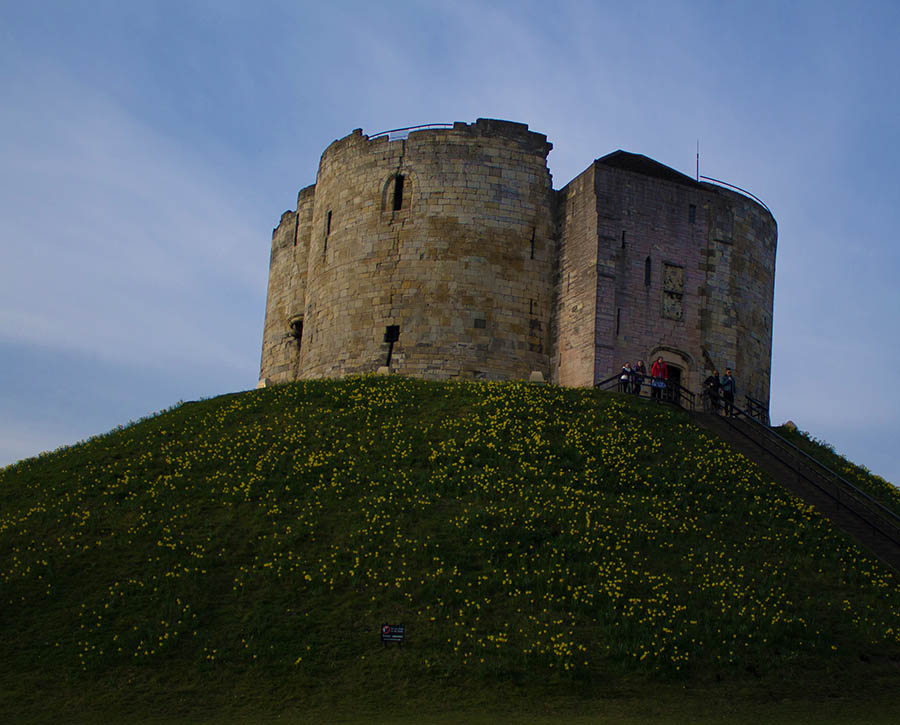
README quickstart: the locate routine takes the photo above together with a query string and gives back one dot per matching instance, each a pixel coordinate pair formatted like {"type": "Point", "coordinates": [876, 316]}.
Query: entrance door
{"type": "Point", "coordinates": [672, 392]}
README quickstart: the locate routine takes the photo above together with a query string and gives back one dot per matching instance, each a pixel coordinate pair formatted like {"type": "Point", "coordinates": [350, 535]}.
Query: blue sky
{"type": "Point", "coordinates": [147, 150]}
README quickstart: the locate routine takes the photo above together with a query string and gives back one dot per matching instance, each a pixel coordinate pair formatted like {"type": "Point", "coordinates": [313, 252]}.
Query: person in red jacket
{"type": "Point", "coordinates": [659, 374]}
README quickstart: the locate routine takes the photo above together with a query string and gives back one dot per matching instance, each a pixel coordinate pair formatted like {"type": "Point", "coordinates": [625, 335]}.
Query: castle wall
{"type": "Point", "coordinates": [464, 268]}
{"type": "Point", "coordinates": [285, 300]}
{"type": "Point", "coordinates": [651, 284]}
{"type": "Point", "coordinates": [453, 243]}
{"type": "Point", "coordinates": [678, 269]}
{"type": "Point", "coordinates": [277, 353]}
{"type": "Point", "coordinates": [736, 323]}
{"type": "Point", "coordinates": [576, 291]}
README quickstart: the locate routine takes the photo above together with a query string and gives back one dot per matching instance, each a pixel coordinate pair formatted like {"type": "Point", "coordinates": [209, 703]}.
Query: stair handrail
{"type": "Point", "coordinates": [880, 508]}
{"type": "Point", "coordinates": [684, 397]}
{"type": "Point", "coordinates": [851, 489]}
{"type": "Point", "coordinates": [758, 410]}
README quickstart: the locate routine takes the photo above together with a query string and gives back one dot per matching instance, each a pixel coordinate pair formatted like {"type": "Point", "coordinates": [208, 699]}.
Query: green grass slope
{"type": "Point", "coordinates": [540, 544]}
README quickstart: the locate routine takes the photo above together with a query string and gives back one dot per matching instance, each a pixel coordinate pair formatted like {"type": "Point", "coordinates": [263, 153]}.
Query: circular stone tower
{"type": "Point", "coordinates": [432, 254]}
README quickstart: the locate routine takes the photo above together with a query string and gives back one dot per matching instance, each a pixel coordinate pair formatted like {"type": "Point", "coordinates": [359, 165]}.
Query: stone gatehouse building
{"type": "Point", "coordinates": [448, 254]}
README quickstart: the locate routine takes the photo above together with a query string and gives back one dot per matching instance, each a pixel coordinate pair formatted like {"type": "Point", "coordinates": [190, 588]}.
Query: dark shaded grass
{"type": "Point", "coordinates": [242, 552]}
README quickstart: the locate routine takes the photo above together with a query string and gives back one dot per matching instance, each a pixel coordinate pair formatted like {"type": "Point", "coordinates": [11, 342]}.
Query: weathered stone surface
{"type": "Point", "coordinates": [453, 244]}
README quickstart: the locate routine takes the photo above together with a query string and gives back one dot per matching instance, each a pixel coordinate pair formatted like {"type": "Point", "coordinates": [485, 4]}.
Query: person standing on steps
{"type": "Point", "coordinates": [638, 373]}
{"type": "Point", "coordinates": [625, 378]}
{"type": "Point", "coordinates": [659, 374]}
{"type": "Point", "coordinates": [729, 390]}
{"type": "Point", "coordinates": [711, 391]}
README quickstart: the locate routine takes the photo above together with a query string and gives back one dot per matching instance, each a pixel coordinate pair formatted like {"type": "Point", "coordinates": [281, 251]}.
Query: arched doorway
{"type": "Point", "coordinates": [674, 383]}
{"type": "Point", "coordinates": [680, 366]}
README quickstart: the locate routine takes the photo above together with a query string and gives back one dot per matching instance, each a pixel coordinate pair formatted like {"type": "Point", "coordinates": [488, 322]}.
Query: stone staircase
{"type": "Point", "coordinates": [874, 527]}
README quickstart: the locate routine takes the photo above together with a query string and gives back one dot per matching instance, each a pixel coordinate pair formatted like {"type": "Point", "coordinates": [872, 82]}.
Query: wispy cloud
{"type": "Point", "coordinates": [120, 241]}
{"type": "Point", "coordinates": [148, 149]}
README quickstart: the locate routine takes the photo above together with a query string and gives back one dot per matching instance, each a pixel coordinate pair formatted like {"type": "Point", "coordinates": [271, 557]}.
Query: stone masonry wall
{"type": "Point", "coordinates": [285, 300]}
{"type": "Point", "coordinates": [453, 241]}
{"type": "Point", "coordinates": [279, 349]}
{"type": "Point", "coordinates": [653, 218]}
{"type": "Point", "coordinates": [464, 268]}
{"type": "Point", "coordinates": [653, 264]}
{"type": "Point", "coordinates": [576, 292]}
{"type": "Point", "coordinates": [740, 289]}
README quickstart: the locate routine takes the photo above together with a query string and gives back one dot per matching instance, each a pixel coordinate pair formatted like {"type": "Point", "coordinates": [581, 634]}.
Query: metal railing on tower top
{"type": "Point", "coordinates": [406, 129]}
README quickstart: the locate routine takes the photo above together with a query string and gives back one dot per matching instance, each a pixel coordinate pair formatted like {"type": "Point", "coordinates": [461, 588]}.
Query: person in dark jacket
{"type": "Point", "coordinates": [729, 390]}
{"type": "Point", "coordinates": [638, 373]}
{"type": "Point", "coordinates": [711, 391]}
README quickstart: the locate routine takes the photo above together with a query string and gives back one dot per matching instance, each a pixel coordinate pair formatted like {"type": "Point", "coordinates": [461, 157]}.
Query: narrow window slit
{"type": "Point", "coordinates": [327, 232]}
{"type": "Point", "coordinates": [398, 192]}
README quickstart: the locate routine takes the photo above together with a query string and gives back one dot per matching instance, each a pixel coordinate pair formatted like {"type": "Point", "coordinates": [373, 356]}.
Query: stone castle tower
{"type": "Point", "coordinates": [448, 254]}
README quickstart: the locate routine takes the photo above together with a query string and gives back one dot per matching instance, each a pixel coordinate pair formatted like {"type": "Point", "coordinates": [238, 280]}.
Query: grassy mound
{"type": "Point", "coordinates": [241, 553]}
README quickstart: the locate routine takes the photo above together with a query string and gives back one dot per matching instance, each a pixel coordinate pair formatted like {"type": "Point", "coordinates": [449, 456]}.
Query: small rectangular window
{"type": "Point", "coordinates": [618, 320]}
{"type": "Point", "coordinates": [480, 324]}
{"type": "Point", "coordinates": [398, 192]}
{"type": "Point", "coordinates": [647, 271]}
{"type": "Point", "coordinates": [623, 240]}
{"type": "Point", "coordinates": [692, 214]}
{"type": "Point", "coordinates": [392, 333]}
{"type": "Point", "coordinates": [532, 242]}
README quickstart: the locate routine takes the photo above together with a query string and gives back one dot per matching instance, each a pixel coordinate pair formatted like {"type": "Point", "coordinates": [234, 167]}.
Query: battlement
{"type": "Point", "coordinates": [486, 128]}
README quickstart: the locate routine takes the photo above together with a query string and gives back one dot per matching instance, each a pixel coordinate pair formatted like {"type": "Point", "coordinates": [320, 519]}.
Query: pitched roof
{"type": "Point", "coordinates": [640, 164]}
